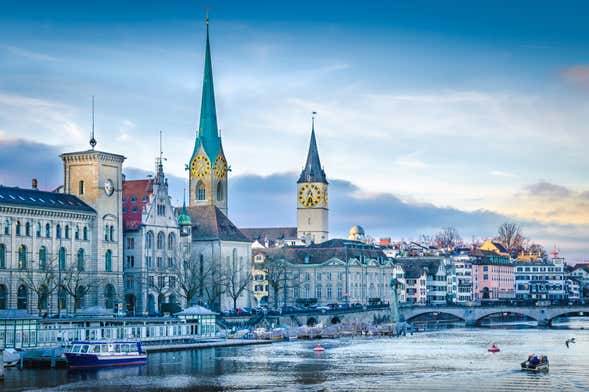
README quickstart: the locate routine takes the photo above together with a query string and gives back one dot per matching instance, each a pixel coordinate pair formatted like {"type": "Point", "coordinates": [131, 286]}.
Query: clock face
{"type": "Point", "coordinates": [109, 187]}
{"type": "Point", "coordinates": [220, 167]}
{"type": "Point", "coordinates": [310, 195]}
{"type": "Point", "coordinates": [200, 166]}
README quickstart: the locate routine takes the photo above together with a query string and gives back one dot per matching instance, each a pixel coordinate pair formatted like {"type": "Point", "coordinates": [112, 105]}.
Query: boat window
{"type": "Point", "coordinates": [84, 349]}
{"type": "Point", "coordinates": [125, 348]}
{"type": "Point", "coordinates": [96, 349]}
{"type": "Point", "coordinates": [104, 348]}
{"type": "Point", "coordinates": [117, 348]}
{"type": "Point", "coordinates": [76, 348]}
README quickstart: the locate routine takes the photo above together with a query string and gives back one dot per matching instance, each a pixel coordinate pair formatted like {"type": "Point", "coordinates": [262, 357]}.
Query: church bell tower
{"type": "Point", "coordinates": [208, 165]}
{"type": "Point", "coordinates": [312, 202]}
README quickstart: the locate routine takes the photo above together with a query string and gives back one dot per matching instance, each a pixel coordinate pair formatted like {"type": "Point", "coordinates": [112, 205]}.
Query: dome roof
{"type": "Point", "coordinates": [356, 230]}
{"type": "Point", "coordinates": [184, 218]}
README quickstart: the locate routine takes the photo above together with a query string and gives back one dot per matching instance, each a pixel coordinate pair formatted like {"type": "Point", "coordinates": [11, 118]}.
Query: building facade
{"type": "Point", "coordinates": [540, 280]}
{"type": "Point", "coordinates": [493, 276]}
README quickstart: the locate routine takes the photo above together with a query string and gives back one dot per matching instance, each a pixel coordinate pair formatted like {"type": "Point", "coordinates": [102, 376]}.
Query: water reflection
{"type": "Point", "coordinates": [453, 359]}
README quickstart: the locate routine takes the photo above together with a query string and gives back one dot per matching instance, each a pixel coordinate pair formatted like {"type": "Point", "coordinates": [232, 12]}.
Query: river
{"type": "Point", "coordinates": [450, 359]}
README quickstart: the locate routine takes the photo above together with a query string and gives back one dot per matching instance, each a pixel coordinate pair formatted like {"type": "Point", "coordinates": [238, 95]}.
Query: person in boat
{"type": "Point", "coordinates": [535, 361]}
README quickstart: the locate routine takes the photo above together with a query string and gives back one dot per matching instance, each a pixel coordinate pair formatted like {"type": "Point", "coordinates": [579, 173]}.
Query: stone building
{"type": "Point", "coordinates": [425, 279]}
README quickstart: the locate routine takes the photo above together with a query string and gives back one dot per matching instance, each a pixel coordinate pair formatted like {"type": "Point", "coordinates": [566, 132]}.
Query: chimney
{"type": "Point", "coordinates": [34, 184]}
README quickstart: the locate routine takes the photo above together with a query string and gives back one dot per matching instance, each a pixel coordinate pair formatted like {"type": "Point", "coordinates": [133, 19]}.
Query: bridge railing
{"type": "Point", "coordinates": [499, 303]}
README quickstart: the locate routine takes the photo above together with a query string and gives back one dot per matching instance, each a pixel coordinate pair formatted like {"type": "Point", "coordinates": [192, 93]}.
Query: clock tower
{"type": "Point", "coordinates": [208, 166]}
{"type": "Point", "coordinates": [312, 202]}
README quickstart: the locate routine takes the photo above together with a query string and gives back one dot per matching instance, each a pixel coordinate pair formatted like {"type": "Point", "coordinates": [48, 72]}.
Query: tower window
{"type": "Point", "coordinates": [81, 187]}
{"type": "Point", "coordinates": [201, 191]}
{"type": "Point", "coordinates": [219, 191]}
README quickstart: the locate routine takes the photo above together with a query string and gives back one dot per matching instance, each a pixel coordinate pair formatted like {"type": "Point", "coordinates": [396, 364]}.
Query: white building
{"type": "Point", "coordinates": [540, 280]}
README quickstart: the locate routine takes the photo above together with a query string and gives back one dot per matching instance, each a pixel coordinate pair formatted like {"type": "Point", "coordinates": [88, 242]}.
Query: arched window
{"type": "Point", "coordinates": [17, 227]}
{"type": "Point", "coordinates": [106, 232]}
{"type": "Point", "coordinates": [47, 230]}
{"type": "Point", "coordinates": [42, 295]}
{"type": "Point", "coordinates": [112, 233]}
{"type": "Point", "coordinates": [67, 232]}
{"type": "Point", "coordinates": [171, 241]}
{"type": "Point", "coordinates": [161, 239]}
{"type": "Point", "coordinates": [27, 229]}
{"type": "Point", "coordinates": [80, 294]}
{"type": "Point", "coordinates": [149, 240]}
{"type": "Point", "coordinates": [77, 233]}
{"type": "Point", "coordinates": [58, 231]}
{"type": "Point", "coordinates": [109, 296]}
{"type": "Point", "coordinates": [85, 237]}
{"type": "Point", "coordinates": [22, 298]}
{"type": "Point", "coordinates": [108, 261]}
{"type": "Point", "coordinates": [42, 258]}
{"type": "Point", "coordinates": [38, 231]}
{"type": "Point", "coordinates": [6, 227]}
{"type": "Point", "coordinates": [201, 193]}
{"type": "Point", "coordinates": [81, 259]}
{"type": "Point", "coordinates": [220, 191]}
{"type": "Point", "coordinates": [2, 256]}
{"type": "Point", "coordinates": [3, 297]}
{"type": "Point", "coordinates": [22, 257]}
{"type": "Point", "coordinates": [62, 255]}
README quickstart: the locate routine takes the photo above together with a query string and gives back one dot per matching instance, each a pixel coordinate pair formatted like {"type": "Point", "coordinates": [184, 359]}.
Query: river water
{"type": "Point", "coordinates": [451, 359]}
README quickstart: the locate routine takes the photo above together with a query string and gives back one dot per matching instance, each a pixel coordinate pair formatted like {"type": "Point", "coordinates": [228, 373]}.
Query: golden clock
{"type": "Point", "coordinates": [309, 195]}
{"type": "Point", "coordinates": [200, 166]}
{"type": "Point", "coordinates": [220, 167]}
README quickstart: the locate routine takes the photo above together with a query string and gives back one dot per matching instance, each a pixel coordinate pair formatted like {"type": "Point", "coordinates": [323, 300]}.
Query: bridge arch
{"type": "Point", "coordinates": [434, 312]}
{"type": "Point", "coordinates": [505, 313]}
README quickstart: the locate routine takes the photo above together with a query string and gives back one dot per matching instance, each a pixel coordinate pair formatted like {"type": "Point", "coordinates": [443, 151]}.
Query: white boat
{"type": "Point", "coordinates": [10, 357]}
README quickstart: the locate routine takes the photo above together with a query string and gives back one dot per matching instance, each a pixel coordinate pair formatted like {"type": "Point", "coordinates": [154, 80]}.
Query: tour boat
{"type": "Point", "coordinates": [103, 354]}
{"type": "Point", "coordinates": [541, 366]}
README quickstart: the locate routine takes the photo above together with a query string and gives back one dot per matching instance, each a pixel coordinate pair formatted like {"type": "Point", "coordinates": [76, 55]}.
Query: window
{"type": "Point", "coordinates": [161, 281]}
{"type": "Point", "coordinates": [220, 191]}
{"type": "Point", "coordinates": [77, 233]}
{"type": "Point", "coordinates": [485, 277]}
{"type": "Point", "coordinates": [80, 259]}
{"type": "Point", "coordinates": [131, 243]}
{"type": "Point", "coordinates": [58, 231]}
{"type": "Point", "coordinates": [22, 257]}
{"type": "Point", "coordinates": [42, 258]}
{"type": "Point", "coordinates": [201, 191]}
{"type": "Point", "coordinates": [38, 231]}
{"type": "Point", "coordinates": [161, 209]}
{"type": "Point", "coordinates": [328, 292]}
{"type": "Point", "coordinates": [62, 255]}
{"type": "Point", "coordinates": [340, 293]}
{"type": "Point", "coordinates": [85, 233]}
{"type": "Point", "coordinates": [149, 240]}
{"type": "Point", "coordinates": [148, 261]}
{"type": "Point", "coordinates": [22, 298]}
{"type": "Point", "coordinates": [3, 296]}
{"type": "Point", "coordinates": [133, 199]}
{"type": "Point", "coordinates": [27, 229]}
{"type": "Point", "coordinates": [159, 262]}
{"type": "Point", "coordinates": [150, 281]}
{"type": "Point", "coordinates": [108, 261]}
{"type": "Point", "coordinates": [81, 187]}
{"type": "Point", "coordinates": [67, 232]}
{"type": "Point", "coordinates": [106, 232]}
{"type": "Point", "coordinates": [47, 230]}
{"type": "Point", "coordinates": [2, 257]}
{"type": "Point", "coordinates": [18, 228]}
{"type": "Point", "coordinates": [112, 233]}
{"type": "Point", "coordinates": [172, 281]}
{"type": "Point", "coordinates": [6, 227]}
{"type": "Point", "coordinates": [171, 241]}
{"type": "Point", "coordinates": [161, 239]}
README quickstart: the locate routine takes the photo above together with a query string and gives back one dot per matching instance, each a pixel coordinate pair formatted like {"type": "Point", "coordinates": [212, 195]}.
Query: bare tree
{"type": "Point", "coordinates": [511, 236]}
{"type": "Point", "coordinates": [279, 278]}
{"type": "Point", "coordinates": [447, 238]}
{"type": "Point", "coordinates": [532, 247]}
{"type": "Point", "coordinates": [43, 283]}
{"type": "Point", "coordinates": [193, 279]}
{"type": "Point", "coordinates": [77, 284]}
{"type": "Point", "coordinates": [237, 281]}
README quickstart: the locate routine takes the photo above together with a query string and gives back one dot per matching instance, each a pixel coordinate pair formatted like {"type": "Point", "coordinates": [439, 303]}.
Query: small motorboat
{"type": "Point", "coordinates": [10, 357]}
{"type": "Point", "coordinates": [536, 363]}
{"type": "Point", "coordinates": [494, 349]}
{"type": "Point", "coordinates": [318, 349]}
{"type": "Point", "coordinates": [103, 354]}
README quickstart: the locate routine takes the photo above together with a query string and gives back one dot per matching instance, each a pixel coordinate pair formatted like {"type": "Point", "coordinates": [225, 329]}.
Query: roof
{"type": "Point", "coordinates": [209, 223]}
{"type": "Point", "coordinates": [489, 257]}
{"type": "Point", "coordinates": [136, 194]}
{"type": "Point", "coordinates": [208, 132]}
{"type": "Point", "coordinates": [270, 233]}
{"type": "Point", "coordinates": [40, 199]}
{"type": "Point", "coordinates": [195, 310]}
{"type": "Point", "coordinates": [320, 253]}
{"type": "Point", "coordinates": [313, 172]}
{"type": "Point", "coordinates": [415, 266]}
{"type": "Point", "coordinates": [14, 314]}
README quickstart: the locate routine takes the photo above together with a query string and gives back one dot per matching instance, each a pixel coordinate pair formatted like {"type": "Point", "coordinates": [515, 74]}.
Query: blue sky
{"type": "Point", "coordinates": [461, 106]}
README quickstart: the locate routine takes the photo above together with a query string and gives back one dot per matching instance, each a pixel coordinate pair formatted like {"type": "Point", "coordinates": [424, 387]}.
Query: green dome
{"type": "Point", "coordinates": [184, 219]}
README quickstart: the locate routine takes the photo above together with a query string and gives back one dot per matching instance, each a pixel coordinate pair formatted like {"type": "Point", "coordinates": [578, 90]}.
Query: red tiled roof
{"type": "Point", "coordinates": [136, 194]}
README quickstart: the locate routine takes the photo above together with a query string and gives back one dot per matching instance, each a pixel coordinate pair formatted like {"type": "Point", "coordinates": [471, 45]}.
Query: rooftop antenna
{"type": "Point", "coordinates": [92, 140]}
{"type": "Point", "coordinates": [313, 118]}
{"type": "Point", "coordinates": [161, 152]}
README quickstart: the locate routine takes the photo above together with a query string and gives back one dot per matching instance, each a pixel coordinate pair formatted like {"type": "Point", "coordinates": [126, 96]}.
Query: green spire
{"type": "Point", "coordinates": [313, 172]}
{"type": "Point", "coordinates": [184, 218]}
{"type": "Point", "coordinates": [208, 134]}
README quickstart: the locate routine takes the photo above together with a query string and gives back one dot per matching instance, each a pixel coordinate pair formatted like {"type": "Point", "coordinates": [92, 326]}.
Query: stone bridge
{"type": "Point", "coordinates": [473, 316]}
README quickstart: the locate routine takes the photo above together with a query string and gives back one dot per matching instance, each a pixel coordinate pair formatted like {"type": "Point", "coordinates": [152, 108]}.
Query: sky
{"type": "Point", "coordinates": [430, 114]}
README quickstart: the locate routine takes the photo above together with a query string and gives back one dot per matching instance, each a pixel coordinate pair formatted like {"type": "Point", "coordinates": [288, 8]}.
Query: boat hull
{"type": "Point", "coordinates": [87, 361]}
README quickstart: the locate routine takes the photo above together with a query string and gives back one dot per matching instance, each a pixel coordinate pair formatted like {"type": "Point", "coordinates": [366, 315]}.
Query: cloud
{"type": "Point", "coordinates": [500, 173]}
{"type": "Point", "coordinates": [547, 190]}
{"type": "Point", "coordinates": [27, 54]}
{"type": "Point", "coordinates": [21, 161]}
{"type": "Point", "coordinates": [577, 75]}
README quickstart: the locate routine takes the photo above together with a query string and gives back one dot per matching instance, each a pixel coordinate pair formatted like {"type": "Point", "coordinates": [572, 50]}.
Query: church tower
{"type": "Point", "coordinates": [208, 166]}
{"type": "Point", "coordinates": [312, 211]}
